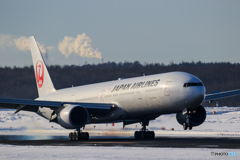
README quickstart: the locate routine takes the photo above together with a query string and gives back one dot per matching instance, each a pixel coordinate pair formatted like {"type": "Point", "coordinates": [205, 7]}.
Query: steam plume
{"type": "Point", "coordinates": [80, 45]}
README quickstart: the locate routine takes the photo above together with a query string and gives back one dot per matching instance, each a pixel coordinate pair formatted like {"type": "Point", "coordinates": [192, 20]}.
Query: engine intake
{"type": "Point", "coordinates": [72, 117]}
{"type": "Point", "coordinates": [197, 117]}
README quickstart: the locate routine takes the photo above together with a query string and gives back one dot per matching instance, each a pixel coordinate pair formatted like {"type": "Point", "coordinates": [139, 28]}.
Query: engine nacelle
{"type": "Point", "coordinates": [198, 116]}
{"type": "Point", "coordinates": [72, 117]}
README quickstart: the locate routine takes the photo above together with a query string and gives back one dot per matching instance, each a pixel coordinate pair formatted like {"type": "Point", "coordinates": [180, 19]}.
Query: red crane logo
{"type": "Point", "coordinates": [39, 73]}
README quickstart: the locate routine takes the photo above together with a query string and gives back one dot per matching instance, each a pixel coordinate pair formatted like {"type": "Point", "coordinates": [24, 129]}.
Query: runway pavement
{"type": "Point", "coordinates": [174, 142]}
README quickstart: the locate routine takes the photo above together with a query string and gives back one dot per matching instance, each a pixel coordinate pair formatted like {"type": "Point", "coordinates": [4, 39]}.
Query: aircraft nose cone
{"type": "Point", "coordinates": [196, 96]}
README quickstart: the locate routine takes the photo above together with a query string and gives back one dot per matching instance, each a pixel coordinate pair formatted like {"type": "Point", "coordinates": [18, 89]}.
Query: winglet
{"type": "Point", "coordinates": [43, 79]}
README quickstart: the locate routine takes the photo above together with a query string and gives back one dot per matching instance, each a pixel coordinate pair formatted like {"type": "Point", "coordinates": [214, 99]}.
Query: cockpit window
{"type": "Point", "coordinates": [192, 84]}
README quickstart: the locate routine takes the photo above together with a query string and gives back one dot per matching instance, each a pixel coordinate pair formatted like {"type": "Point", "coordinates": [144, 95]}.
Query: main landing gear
{"type": "Point", "coordinates": [78, 135]}
{"type": "Point", "coordinates": [143, 133]}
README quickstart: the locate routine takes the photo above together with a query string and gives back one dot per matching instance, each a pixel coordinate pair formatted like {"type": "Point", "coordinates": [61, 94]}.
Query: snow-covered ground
{"type": "Point", "coordinates": [226, 123]}
{"type": "Point", "coordinates": [110, 153]}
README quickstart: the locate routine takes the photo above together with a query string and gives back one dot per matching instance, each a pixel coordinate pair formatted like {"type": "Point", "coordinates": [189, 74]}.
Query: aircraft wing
{"type": "Point", "coordinates": [211, 97]}
{"type": "Point", "coordinates": [32, 105]}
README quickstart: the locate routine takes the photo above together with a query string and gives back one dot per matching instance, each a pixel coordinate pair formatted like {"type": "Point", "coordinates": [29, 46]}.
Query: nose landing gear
{"type": "Point", "coordinates": [143, 133]}
{"type": "Point", "coordinates": [187, 124]}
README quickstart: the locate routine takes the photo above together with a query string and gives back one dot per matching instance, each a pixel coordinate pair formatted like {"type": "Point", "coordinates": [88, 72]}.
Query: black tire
{"type": "Point", "coordinates": [139, 134]}
{"type": "Point", "coordinates": [152, 135]}
{"type": "Point", "coordinates": [70, 136]}
{"type": "Point", "coordinates": [142, 135]}
{"type": "Point", "coordinates": [77, 137]}
{"type": "Point", "coordinates": [82, 136]}
{"type": "Point", "coordinates": [185, 126]}
{"type": "Point", "coordinates": [136, 135]}
{"type": "Point", "coordinates": [86, 136]}
{"type": "Point", "coordinates": [190, 127]}
{"type": "Point", "coordinates": [148, 135]}
{"type": "Point", "coordinates": [74, 136]}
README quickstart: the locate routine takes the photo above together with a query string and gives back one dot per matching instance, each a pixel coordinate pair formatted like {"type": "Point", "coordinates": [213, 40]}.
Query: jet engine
{"type": "Point", "coordinates": [72, 117]}
{"type": "Point", "coordinates": [196, 116]}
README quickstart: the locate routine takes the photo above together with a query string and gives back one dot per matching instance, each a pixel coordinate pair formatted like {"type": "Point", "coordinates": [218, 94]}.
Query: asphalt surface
{"type": "Point", "coordinates": [173, 142]}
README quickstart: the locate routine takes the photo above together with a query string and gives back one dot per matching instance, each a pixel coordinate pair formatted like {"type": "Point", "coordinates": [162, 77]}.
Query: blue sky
{"type": "Point", "coordinates": [147, 31]}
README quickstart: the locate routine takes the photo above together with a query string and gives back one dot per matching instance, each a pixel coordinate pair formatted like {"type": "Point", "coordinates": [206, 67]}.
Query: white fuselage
{"type": "Point", "coordinates": [135, 98]}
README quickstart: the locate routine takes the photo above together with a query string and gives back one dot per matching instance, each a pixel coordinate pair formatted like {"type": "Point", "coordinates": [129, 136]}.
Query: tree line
{"type": "Point", "coordinates": [19, 82]}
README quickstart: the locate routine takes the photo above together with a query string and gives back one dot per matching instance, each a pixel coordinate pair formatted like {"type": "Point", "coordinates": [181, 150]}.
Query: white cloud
{"type": "Point", "coordinates": [21, 43]}
{"type": "Point", "coordinates": [80, 45]}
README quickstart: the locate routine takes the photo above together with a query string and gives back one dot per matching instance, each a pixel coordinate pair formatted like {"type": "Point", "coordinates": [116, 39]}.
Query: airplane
{"type": "Point", "coordinates": [129, 101]}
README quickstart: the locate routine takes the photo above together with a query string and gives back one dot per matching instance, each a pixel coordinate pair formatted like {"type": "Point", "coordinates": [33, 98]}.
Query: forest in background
{"type": "Point", "coordinates": [19, 82]}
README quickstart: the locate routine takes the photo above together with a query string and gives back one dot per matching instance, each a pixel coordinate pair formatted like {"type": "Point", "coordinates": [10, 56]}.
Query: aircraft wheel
{"type": "Point", "coordinates": [71, 136]}
{"type": "Point", "coordinates": [136, 134]}
{"type": "Point", "coordinates": [85, 136]}
{"type": "Point", "coordinates": [143, 135]}
{"type": "Point", "coordinates": [185, 126]}
{"type": "Point", "coordinates": [139, 134]}
{"type": "Point", "coordinates": [152, 135]}
{"type": "Point", "coordinates": [77, 136]}
{"type": "Point", "coordinates": [190, 127]}
{"type": "Point", "coordinates": [148, 135]}
{"type": "Point", "coordinates": [74, 136]}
